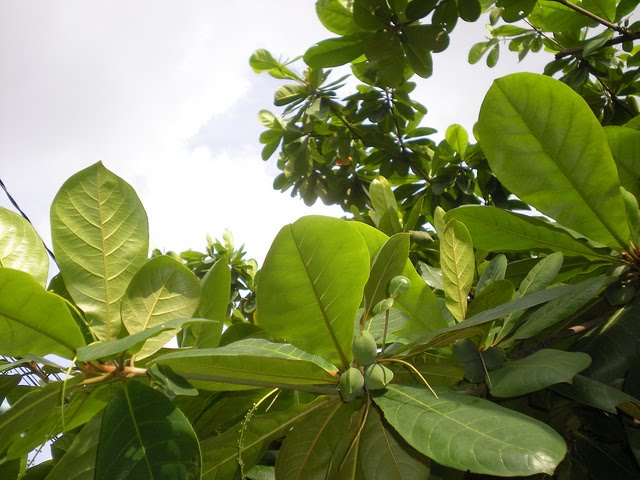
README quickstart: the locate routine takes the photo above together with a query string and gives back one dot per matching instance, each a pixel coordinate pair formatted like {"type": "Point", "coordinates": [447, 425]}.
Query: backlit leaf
{"type": "Point", "coordinates": [336, 51]}
{"type": "Point", "coordinates": [625, 148]}
{"type": "Point", "coordinates": [458, 264]}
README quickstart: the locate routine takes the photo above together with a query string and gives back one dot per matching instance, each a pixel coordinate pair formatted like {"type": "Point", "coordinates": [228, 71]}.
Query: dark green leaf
{"type": "Point", "coordinates": [594, 393]}
{"type": "Point", "coordinates": [469, 10]}
{"type": "Point", "coordinates": [494, 271]}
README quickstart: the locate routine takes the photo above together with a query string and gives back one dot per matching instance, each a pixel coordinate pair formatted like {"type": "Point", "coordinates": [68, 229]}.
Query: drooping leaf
{"type": "Point", "coordinates": [131, 344]}
{"type": "Point", "coordinates": [100, 238]}
{"type": "Point", "coordinates": [498, 230]}
{"type": "Point", "coordinates": [21, 248]}
{"type": "Point", "coordinates": [32, 320]}
{"type": "Point", "coordinates": [220, 454]}
{"type": "Point", "coordinates": [311, 286]}
{"type": "Point", "coordinates": [564, 168]}
{"type": "Point", "coordinates": [162, 290]}
{"type": "Point", "coordinates": [389, 262]}
{"type": "Point", "coordinates": [469, 433]}
{"type": "Point", "coordinates": [144, 436]}
{"type": "Point", "coordinates": [78, 463]}
{"type": "Point", "coordinates": [315, 449]}
{"type": "Point", "coordinates": [542, 369]}
{"type": "Point", "coordinates": [384, 454]}
{"type": "Point", "coordinates": [625, 148]}
{"type": "Point", "coordinates": [252, 363]}
{"type": "Point", "coordinates": [458, 264]}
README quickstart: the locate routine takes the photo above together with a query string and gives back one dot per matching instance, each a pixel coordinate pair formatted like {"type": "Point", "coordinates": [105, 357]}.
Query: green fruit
{"type": "Point", "coordinates": [383, 305]}
{"type": "Point", "coordinates": [351, 384]}
{"type": "Point", "coordinates": [398, 286]}
{"type": "Point", "coordinates": [365, 348]}
{"type": "Point", "coordinates": [377, 377]}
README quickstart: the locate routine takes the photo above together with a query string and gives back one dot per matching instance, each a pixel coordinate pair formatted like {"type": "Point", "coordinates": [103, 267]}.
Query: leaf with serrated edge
{"type": "Point", "coordinates": [470, 433]}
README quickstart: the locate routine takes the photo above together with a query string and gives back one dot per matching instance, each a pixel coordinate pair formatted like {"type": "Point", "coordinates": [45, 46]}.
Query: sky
{"type": "Point", "coordinates": [162, 93]}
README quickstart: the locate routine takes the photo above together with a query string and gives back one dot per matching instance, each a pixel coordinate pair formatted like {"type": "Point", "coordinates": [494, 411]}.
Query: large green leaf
{"type": "Point", "coordinates": [458, 265]}
{"type": "Point", "coordinates": [594, 393]}
{"type": "Point", "coordinates": [253, 362]}
{"type": "Point", "coordinates": [625, 148]}
{"type": "Point", "coordinates": [162, 290]}
{"type": "Point", "coordinates": [315, 449]}
{"type": "Point", "coordinates": [221, 454]}
{"type": "Point", "coordinates": [32, 320]}
{"type": "Point", "coordinates": [385, 455]}
{"type": "Point", "coordinates": [389, 262]}
{"type": "Point", "coordinates": [336, 16]}
{"type": "Point", "coordinates": [214, 302]}
{"type": "Point", "coordinates": [542, 369]}
{"type": "Point", "coordinates": [544, 144]}
{"type": "Point", "coordinates": [336, 51]}
{"type": "Point", "coordinates": [311, 286]}
{"type": "Point", "coordinates": [100, 237]}
{"type": "Point", "coordinates": [21, 248]}
{"type": "Point", "coordinates": [144, 436]}
{"type": "Point", "coordinates": [469, 433]}
{"type": "Point", "coordinates": [80, 460]}
{"type": "Point", "coordinates": [498, 230]}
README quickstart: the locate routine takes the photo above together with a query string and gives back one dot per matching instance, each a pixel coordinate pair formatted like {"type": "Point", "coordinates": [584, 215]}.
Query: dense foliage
{"type": "Point", "coordinates": [439, 332]}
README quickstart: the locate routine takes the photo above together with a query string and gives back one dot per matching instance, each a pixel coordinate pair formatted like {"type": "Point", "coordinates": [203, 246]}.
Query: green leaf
{"type": "Point", "coordinates": [497, 293]}
{"type": "Point", "coordinates": [513, 10]}
{"type": "Point", "coordinates": [21, 248]}
{"type": "Point", "coordinates": [162, 290]}
{"type": "Point", "coordinates": [337, 16]}
{"type": "Point", "coordinates": [469, 10]}
{"type": "Point", "coordinates": [381, 196]}
{"type": "Point", "coordinates": [427, 37]}
{"type": "Point", "coordinates": [78, 463]}
{"type": "Point", "coordinates": [221, 453]}
{"type": "Point", "coordinates": [565, 168]}
{"type": "Point", "coordinates": [603, 8]}
{"type": "Point", "coordinates": [458, 263]}
{"type": "Point", "coordinates": [131, 344]}
{"type": "Point", "coordinates": [457, 138]}
{"type": "Point", "coordinates": [287, 94]}
{"type": "Point", "coordinates": [389, 262]}
{"type": "Point", "coordinates": [385, 455]}
{"type": "Point", "coordinates": [493, 272]}
{"type": "Point", "coordinates": [417, 9]}
{"type": "Point", "coordinates": [315, 448]}
{"type": "Point", "coordinates": [250, 363]}
{"type": "Point", "coordinates": [477, 51]}
{"type": "Point", "coordinates": [100, 238]}
{"type": "Point", "coordinates": [262, 61]}
{"type": "Point", "coordinates": [594, 393]}
{"type": "Point", "coordinates": [214, 302]}
{"type": "Point", "coordinates": [560, 308]}
{"type": "Point", "coordinates": [551, 16]}
{"type": "Point", "coordinates": [334, 52]}
{"type": "Point", "coordinates": [538, 371]}
{"type": "Point", "coordinates": [311, 286]}
{"type": "Point", "coordinates": [470, 433]}
{"type": "Point", "coordinates": [385, 53]}
{"type": "Point", "coordinates": [34, 321]}
{"type": "Point", "coordinates": [542, 274]}
{"type": "Point", "coordinates": [496, 230]}
{"type": "Point", "coordinates": [625, 148]}
{"type": "Point", "coordinates": [144, 436]}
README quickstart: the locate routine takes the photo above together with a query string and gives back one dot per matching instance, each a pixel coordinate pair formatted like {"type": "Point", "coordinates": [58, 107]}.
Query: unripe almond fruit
{"type": "Point", "coordinates": [377, 377]}
{"type": "Point", "coordinates": [365, 348]}
{"type": "Point", "coordinates": [351, 384]}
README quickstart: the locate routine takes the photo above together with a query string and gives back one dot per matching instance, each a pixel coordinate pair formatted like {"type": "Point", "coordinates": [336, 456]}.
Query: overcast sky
{"type": "Point", "coordinates": [162, 93]}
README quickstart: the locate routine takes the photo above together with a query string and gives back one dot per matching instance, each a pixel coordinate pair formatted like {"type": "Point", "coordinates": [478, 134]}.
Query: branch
{"type": "Point", "coordinates": [614, 41]}
{"type": "Point", "coordinates": [596, 18]}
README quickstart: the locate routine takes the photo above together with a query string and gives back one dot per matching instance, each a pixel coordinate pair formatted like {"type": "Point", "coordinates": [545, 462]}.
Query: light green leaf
{"type": "Point", "coordinates": [542, 274]}
{"type": "Point", "coordinates": [21, 248]}
{"type": "Point", "coordinates": [594, 393]}
{"type": "Point", "coordinates": [250, 363]}
{"type": "Point", "coordinates": [457, 138]}
{"type": "Point", "coordinates": [384, 454]}
{"type": "Point", "coordinates": [79, 461]}
{"type": "Point", "coordinates": [493, 272]}
{"type": "Point", "coordinates": [458, 263]}
{"type": "Point", "coordinates": [625, 148]}
{"type": "Point", "coordinates": [262, 61]}
{"type": "Point", "coordinates": [470, 433]}
{"type": "Point", "coordinates": [551, 16]}
{"type": "Point", "coordinates": [131, 344]}
{"type": "Point", "coordinates": [311, 286]}
{"type": "Point", "coordinates": [389, 262]}
{"type": "Point", "coordinates": [32, 320]}
{"type": "Point", "coordinates": [214, 302]}
{"type": "Point", "coordinates": [220, 454]}
{"type": "Point", "coordinates": [337, 16]}
{"type": "Point", "coordinates": [144, 436]}
{"type": "Point", "coordinates": [315, 449]}
{"type": "Point", "coordinates": [334, 52]}
{"type": "Point", "coordinates": [560, 308]}
{"type": "Point", "coordinates": [564, 168]}
{"type": "Point", "coordinates": [496, 230]}
{"type": "Point", "coordinates": [538, 371]}
{"type": "Point", "coordinates": [100, 238]}
{"type": "Point", "coordinates": [162, 290]}
{"type": "Point", "coordinates": [381, 195]}
{"type": "Point", "coordinates": [603, 8]}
